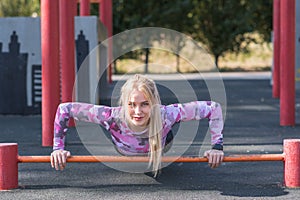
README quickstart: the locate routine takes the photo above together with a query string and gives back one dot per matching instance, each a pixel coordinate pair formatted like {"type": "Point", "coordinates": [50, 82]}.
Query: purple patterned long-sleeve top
{"type": "Point", "coordinates": [134, 143]}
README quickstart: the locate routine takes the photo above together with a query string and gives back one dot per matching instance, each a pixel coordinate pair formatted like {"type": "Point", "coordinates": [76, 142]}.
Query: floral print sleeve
{"type": "Point", "coordinates": [198, 110]}
{"type": "Point", "coordinates": [79, 111]}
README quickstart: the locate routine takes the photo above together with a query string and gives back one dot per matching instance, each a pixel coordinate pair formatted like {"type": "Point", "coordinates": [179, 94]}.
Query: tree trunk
{"type": "Point", "coordinates": [147, 60]}
{"type": "Point", "coordinates": [177, 63]}
{"type": "Point", "coordinates": [217, 61]}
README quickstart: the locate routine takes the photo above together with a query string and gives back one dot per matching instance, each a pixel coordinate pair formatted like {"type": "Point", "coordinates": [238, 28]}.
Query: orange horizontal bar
{"type": "Point", "coordinates": [90, 159]}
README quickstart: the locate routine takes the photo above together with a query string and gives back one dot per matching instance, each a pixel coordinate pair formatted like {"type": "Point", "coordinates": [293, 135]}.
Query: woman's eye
{"type": "Point", "coordinates": [145, 104]}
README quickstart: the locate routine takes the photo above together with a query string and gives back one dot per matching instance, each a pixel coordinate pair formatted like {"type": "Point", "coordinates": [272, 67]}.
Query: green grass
{"type": "Point", "coordinates": [259, 58]}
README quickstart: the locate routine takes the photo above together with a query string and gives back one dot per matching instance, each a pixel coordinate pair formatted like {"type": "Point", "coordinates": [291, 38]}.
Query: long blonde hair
{"type": "Point", "coordinates": [149, 89]}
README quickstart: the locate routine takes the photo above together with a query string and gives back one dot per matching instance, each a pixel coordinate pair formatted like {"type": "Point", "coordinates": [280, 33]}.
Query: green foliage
{"type": "Point", "coordinates": [224, 26]}
{"type": "Point", "coordinates": [12, 8]}
{"type": "Point", "coordinates": [262, 18]}
{"type": "Point", "coordinates": [221, 25]}
{"type": "Point", "coordinates": [94, 9]}
{"type": "Point", "coordinates": [130, 14]}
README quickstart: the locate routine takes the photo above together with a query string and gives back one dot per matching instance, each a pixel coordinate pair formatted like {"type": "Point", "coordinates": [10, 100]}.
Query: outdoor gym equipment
{"type": "Point", "coordinates": [9, 160]}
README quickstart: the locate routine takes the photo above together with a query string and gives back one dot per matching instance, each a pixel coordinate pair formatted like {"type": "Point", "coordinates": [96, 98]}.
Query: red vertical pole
{"type": "Point", "coordinates": [276, 48]}
{"type": "Point", "coordinates": [8, 166]}
{"type": "Point", "coordinates": [84, 7]}
{"type": "Point", "coordinates": [50, 67]}
{"type": "Point", "coordinates": [105, 9]}
{"type": "Point", "coordinates": [67, 48]}
{"type": "Point", "coordinates": [291, 163]}
{"type": "Point", "coordinates": [75, 8]}
{"type": "Point", "coordinates": [287, 63]}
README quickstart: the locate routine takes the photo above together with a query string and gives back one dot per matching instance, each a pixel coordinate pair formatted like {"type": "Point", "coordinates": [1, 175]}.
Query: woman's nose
{"type": "Point", "coordinates": [137, 109]}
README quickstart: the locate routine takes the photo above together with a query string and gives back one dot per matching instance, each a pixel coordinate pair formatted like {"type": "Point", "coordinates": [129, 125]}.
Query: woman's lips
{"type": "Point", "coordinates": [137, 118]}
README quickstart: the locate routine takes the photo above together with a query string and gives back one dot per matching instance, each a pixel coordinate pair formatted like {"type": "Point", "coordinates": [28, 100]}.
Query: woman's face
{"type": "Point", "coordinates": [139, 109]}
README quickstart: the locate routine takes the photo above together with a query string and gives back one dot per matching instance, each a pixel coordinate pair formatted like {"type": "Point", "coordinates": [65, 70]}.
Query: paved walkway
{"type": "Point", "coordinates": [251, 126]}
{"type": "Point", "coordinates": [206, 75]}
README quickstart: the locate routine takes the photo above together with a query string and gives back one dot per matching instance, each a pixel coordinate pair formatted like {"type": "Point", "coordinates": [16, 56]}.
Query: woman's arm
{"type": "Point", "coordinates": [216, 125]}
{"type": "Point", "coordinates": [79, 111]}
{"type": "Point", "coordinates": [198, 110]}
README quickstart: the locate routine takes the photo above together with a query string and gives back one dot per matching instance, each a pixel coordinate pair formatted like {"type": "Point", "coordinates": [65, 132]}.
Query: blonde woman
{"type": "Point", "coordinates": [140, 125]}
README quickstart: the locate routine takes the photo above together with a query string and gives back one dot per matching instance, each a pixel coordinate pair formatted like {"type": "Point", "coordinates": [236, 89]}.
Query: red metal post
{"type": "Point", "coordinates": [8, 166]}
{"type": "Point", "coordinates": [105, 10]}
{"type": "Point", "coordinates": [287, 62]}
{"type": "Point", "coordinates": [276, 49]}
{"type": "Point", "coordinates": [84, 7]}
{"type": "Point", "coordinates": [50, 67]}
{"type": "Point", "coordinates": [106, 15]}
{"type": "Point", "coordinates": [75, 9]}
{"type": "Point", "coordinates": [292, 163]}
{"type": "Point", "coordinates": [67, 48]}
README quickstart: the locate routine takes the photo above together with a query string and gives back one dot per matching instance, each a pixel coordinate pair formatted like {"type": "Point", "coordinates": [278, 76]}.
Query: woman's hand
{"type": "Point", "coordinates": [215, 157]}
{"type": "Point", "coordinates": [59, 159]}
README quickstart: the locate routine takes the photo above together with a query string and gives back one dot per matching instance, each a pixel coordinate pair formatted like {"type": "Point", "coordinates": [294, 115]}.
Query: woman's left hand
{"type": "Point", "coordinates": [215, 157]}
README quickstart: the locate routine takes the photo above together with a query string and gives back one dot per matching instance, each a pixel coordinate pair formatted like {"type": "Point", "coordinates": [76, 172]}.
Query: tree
{"type": "Point", "coordinates": [12, 8]}
{"type": "Point", "coordinates": [224, 26]}
{"type": "Point", "coordinates": [263, 18]}
{"type": "Point", "coordinates": [165, 13]}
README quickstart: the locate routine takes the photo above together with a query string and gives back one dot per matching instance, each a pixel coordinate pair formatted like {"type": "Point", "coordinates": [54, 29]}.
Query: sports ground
{"type": "Point", "coordinates": [251, 127]}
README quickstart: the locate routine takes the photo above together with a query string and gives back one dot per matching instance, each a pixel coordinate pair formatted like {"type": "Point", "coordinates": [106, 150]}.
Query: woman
{"type": "Point", "coordinates": [140, 125]}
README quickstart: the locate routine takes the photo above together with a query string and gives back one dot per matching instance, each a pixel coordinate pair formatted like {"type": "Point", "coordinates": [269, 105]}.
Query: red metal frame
{"type": "Point", "coordinates": [84, 7]}
{"type": "Point", "coordinates": [276, 49]}
{"type": "Point", "coordinates": [105, 15]}
{"type": "Point", "coordinates": [50, 67]}
{"type": "Point", "coordinates": [67, 48]}
{"type": "Point", "coordinates": [287, 62]}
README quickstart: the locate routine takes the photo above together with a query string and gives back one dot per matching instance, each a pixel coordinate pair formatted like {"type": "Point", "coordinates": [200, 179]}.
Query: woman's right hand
{"type": "Point", "coordinates": [59, 159]}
